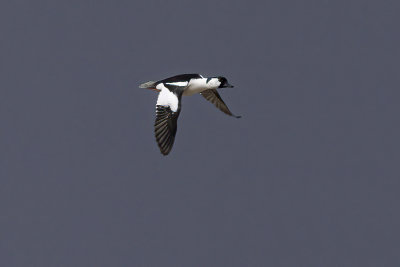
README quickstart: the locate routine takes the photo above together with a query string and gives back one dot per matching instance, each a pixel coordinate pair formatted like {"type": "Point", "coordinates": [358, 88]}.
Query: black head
{"type": "Point", "coordinates": [224, 83]}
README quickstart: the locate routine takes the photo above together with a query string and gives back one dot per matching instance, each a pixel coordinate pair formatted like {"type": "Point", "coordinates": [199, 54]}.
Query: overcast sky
{"type": "Point", "coordinates": [309, 176]}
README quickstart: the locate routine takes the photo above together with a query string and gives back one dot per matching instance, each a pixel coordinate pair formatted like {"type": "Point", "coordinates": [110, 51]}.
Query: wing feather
{"type": "Point", "coordinates": [213, 96]}
{"type": "Point", "coordinates": [167, 112]}
{"type": "Point", "coordinates": [165, 128]}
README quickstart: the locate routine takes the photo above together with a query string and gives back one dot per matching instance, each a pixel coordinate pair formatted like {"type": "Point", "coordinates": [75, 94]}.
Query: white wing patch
{"type": "Point", "coordinates": [178, 83]}
{"type": "Point", "coordinates": [167, 98]}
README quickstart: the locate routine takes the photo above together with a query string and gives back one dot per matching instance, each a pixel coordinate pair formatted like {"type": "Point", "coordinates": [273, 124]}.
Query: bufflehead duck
{"type": "Point", "coordinates": [168, 104]}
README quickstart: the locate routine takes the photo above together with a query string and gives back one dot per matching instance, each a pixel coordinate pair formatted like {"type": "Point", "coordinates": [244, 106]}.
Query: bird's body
{"type": "Point", "coordinates": [168, 104]}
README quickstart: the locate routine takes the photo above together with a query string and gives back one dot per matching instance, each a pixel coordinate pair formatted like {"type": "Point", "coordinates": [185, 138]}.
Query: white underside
{"type": "Point", "coordinates": [196, 86]}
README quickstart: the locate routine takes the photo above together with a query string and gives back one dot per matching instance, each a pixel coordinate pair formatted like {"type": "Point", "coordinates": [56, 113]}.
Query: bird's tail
{"type": "Point", "coordinates": [148, 85]}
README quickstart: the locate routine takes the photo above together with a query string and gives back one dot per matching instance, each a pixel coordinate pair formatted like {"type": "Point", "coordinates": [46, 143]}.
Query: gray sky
{"type": "Point", "coordinates": [308, 177]}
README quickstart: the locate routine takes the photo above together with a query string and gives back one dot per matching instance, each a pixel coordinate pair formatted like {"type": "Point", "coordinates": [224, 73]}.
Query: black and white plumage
{"type": "Point", "coordinates": [168, 104]}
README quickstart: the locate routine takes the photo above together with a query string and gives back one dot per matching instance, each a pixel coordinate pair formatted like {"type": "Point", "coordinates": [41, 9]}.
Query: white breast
{"type": "Point", "coordinates": [199, 85]}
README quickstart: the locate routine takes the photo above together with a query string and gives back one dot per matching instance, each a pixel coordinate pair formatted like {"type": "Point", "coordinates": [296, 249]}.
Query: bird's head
{"type": "Point", "coordinates": [224, 83]}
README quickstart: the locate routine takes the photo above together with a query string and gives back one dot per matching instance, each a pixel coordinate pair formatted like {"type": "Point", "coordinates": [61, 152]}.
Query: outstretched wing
{"type": "Point", "coordinates": [167, 112]}
{"type": "Point", "coordinates": [165, 128]}
{"type": "Point", "coordinates": [213, 96]}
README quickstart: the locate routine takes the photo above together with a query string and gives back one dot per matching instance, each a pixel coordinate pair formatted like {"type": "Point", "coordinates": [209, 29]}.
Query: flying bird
{"type": "Point", "coordinates": [168, 104]}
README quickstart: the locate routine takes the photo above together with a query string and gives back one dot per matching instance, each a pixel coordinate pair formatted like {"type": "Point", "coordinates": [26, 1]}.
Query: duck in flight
{"type": "Point", "coordinates": [168, 104]}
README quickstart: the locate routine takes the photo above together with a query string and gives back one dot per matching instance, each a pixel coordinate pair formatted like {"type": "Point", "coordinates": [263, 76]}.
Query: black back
{"type": "Point", "coordinates": [180, 78]}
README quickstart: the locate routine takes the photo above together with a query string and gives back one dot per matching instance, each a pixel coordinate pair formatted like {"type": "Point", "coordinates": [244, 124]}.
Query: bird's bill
{"type": "Point", "coordinates": [227, 85]}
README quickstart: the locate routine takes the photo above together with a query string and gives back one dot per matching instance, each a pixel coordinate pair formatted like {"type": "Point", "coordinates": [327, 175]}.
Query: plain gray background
{"type": "Point", "coordinates": [308, 177]}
